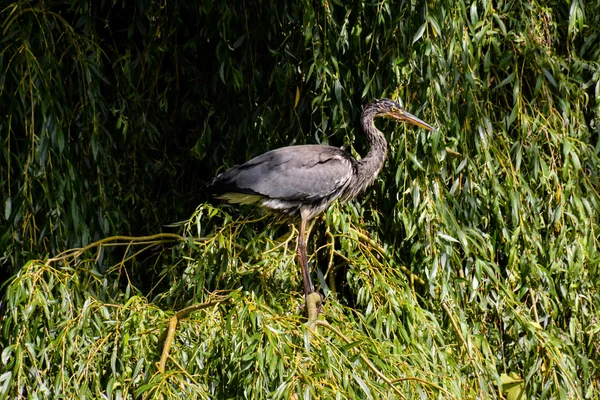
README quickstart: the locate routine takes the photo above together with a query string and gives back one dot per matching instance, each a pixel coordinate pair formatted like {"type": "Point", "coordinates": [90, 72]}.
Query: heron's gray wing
{"type": "Point", "coordinates": [298, 173]}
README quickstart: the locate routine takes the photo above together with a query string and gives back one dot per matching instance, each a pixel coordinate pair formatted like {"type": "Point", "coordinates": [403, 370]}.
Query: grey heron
{"type": "Point", "coordinates": [302, 181]}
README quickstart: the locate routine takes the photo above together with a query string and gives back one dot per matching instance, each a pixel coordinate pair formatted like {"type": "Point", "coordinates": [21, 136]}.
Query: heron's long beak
{"type": "Point", "coordinates": [405, 116]}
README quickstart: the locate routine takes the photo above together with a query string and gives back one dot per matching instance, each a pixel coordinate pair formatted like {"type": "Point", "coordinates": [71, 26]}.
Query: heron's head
{"type": "Point", "coordinates": [390, 109]}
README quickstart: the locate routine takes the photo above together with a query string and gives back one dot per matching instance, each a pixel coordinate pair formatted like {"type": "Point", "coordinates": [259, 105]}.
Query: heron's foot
{"type": "Point", "coordinates": [314, 301]}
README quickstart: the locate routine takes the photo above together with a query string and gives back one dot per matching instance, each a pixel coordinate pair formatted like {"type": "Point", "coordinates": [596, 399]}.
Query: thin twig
{"type": "Point", "coordinates": [285, 242]}
{"type": "Point", "coordinates": [330, 267]}
{"type": "Point", "coordinates": [168, 341]}
{"type": "Point", "coordinates": [425, 382]}
{"type": "Point", "coordinates": [162, 237]}
{"type": "Point", "coordinates": [169, 334]}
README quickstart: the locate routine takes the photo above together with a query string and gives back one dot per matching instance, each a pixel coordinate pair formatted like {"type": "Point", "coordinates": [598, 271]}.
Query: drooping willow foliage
{"type": "Point", "coordinates": [469, 270]}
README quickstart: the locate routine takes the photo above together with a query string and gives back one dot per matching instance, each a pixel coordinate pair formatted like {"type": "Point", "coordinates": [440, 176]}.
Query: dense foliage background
{"type": "Point", "coordinates": [469, 270]}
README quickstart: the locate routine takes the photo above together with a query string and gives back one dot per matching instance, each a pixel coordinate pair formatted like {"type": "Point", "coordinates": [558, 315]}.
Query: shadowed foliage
{"type": "Point", "coordinates": [469, 270]}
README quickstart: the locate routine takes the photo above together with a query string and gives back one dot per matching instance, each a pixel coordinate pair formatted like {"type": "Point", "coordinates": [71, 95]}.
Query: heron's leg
{"type": "Point", "coordinates": [308, 286]}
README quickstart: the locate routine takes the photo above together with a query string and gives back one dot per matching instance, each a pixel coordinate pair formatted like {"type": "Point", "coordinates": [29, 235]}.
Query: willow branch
{"type": "Point", "coordinates": [464, 341]}
{"type": "Point", "coordinates": [385, 253]}
{"type": "Point", "coordinates": [158, 238]}
{"type": "Point", "coordinates": [371, 366]}
{"type": "Point", "coordinates": [169, 334]}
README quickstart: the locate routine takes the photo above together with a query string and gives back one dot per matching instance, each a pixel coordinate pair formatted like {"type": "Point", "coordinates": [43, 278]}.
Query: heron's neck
{"type": "Point", "coordinates": [370, 165]}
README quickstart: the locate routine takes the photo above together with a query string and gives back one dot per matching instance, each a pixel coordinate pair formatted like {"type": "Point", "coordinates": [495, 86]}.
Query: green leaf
{"type": "Point", "coordinates": [7, 208]}
{"type": "Point", "coordinates": [419, 32]}
{"type": "Point", "coordinates": [549, 77]}
{"type": "Point", "coordinates": [513, 386]}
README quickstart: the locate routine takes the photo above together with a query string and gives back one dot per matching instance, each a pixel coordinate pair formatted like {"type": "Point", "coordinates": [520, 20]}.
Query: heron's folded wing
{"type": "Point", "coordinates": [301, 173]}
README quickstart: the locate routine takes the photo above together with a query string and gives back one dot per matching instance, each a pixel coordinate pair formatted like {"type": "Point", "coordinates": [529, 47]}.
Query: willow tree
{"type": "Point", "coordinates": [470, 269]}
